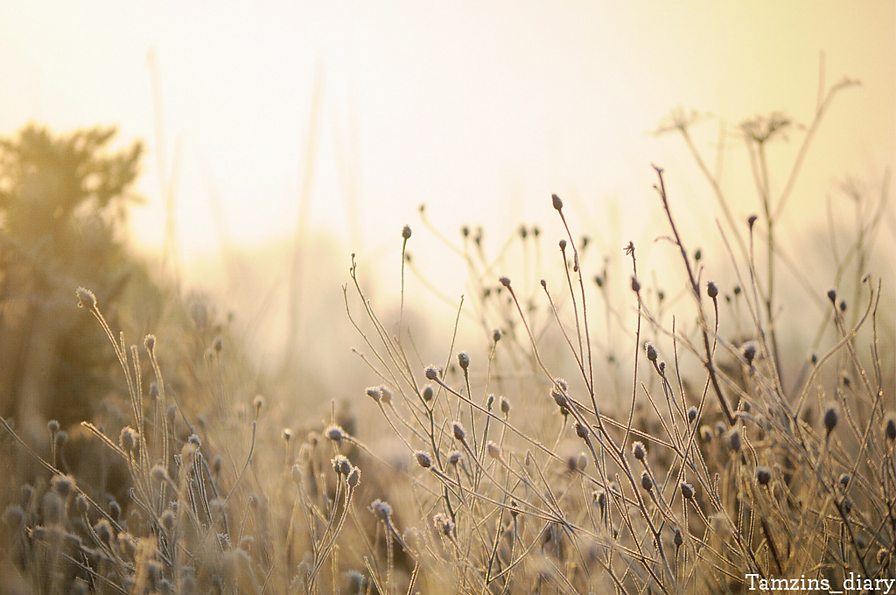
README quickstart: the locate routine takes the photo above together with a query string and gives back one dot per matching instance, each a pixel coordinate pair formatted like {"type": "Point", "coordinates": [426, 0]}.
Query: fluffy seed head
{"type": "Point", "coordinates": [354, 478]}
{"type": "Point", "coordinates": [494, 451]}
{"type": "Point", "coordinates": [431, 373]}
{"type": "Point", "coordinates": [454, 457]}
{"type": "Point", "coordinates": [374, 392]}
{"type": "Point", "coordinates": [334, 433]}
{"type": "Point", "coordinates": [458, 430]}
{"type": "Point", "coordinates": [687, 490]}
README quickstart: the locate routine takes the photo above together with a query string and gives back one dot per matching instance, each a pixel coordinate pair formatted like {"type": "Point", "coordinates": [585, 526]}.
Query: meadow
{"type": "Point", "coordinates": [573, 427]}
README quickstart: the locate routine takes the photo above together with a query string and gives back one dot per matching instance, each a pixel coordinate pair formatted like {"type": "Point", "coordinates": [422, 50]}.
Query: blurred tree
{"type": "Point", "coordinates": [62, 205]}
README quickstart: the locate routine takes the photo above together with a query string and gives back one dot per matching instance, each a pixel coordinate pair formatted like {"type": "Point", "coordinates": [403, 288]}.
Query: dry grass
{"type": "Point", "coordinates": [489, 472]}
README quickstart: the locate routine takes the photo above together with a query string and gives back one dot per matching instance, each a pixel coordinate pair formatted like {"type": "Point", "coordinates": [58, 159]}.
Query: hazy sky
{"type": "Point", "coordinates": [481, 109]}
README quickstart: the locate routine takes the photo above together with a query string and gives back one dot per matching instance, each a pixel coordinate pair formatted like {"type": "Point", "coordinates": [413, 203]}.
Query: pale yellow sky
{"type": "Point", "coordinates": [479, 109]}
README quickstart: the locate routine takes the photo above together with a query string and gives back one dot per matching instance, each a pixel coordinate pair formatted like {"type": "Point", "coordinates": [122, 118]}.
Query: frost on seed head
{"type": "Point", "coordinates": [639, 450]}
{"type": "Point", "coordinates": [382, 509]}
{"type": "Point", "coordinates": [334, 433]}
{"type": "Point", "coordinates": [458, 430]}
{"type": "Point", "coordinates": [86, 298]}
{"type": "Point", "coordinates": [424, 459]}
{"type": "Point", "coordinates": [431, 373]}
{"type": "Point", "coordinates": [374, 392]}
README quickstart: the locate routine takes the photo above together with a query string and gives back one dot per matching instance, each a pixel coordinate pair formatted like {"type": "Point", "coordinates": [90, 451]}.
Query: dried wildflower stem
{"type": "Point", "coordinates": [723, 403]}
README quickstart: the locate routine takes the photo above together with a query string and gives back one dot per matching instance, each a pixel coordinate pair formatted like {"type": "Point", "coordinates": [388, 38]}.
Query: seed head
{"type": "Point", "coordinates": [750, 353]}
{"type": "Point", "coordinates": [844, 479]}
{"type": "Point", "coordinates": [463, 360]}
{"type": "Point", "coordinates": [354, 478]}
{"type": "Point", "coordinates": [374, 392]}
{"type": "Point", "coordinates": [687, 490]}
{"type": "Point", "coordinates": [443, 524]}
{"type": "Point", "coordinates": [832, 295]}
{"type": "Point", "coordinates": [890, 427]}
{"type": "Point", "coordinates": [385, 394]}
{"type": "Point", "coordinates": [86, 298]}
{"type": "Point", "coordinates": [504, 405]}
{"type": "Point", "coordinates": [646, 481]}
{"type": "Point", "coordinates": [258, 403]}
{"type": "Point", "coordinates": [734, 440]}
{"type": "Point", "coordinates": [53, 426]}
{"type": "Point", "coordinates": [287, 434]}
{"type": "Point", "coordinates": [692, 413]}
{"type": "Point", "coordinates": [382, 509]}
{"type": "Point", "coordinates": [830, 417]}
{"type": "Point", "coordinates": [751, 220]}
{"type": "Point", "coordinates": [424, 459]}
{"type": "Point", "coordinates": [636, 285]}
{"type": "Point", "coordinates": [639, 450]}
{"type": "Point", "coordinates": [558, 204]}
{"type": "Point", "coordinates": [496, 335]}
{"type": "Point", "coordinates": [505, 281]}
{"type": "Point", "coordinates": [677, 537]}
{"type": "Point", "coordinates": [494, 450]}
{"type": "Point", "coordinates": [581, 430]}
{"type": "Point", "coordinates": [427, 393]}
{"type": "Point", "coordinates": [712, 290]}
{"type": "Point", "coordinates": [341, 465]}
{"type": "Point", "coordinates": [406, 232]}
{"type": "Point", "coordinates": [459, 432]}
{"type": "Point", "coordinates": [431, 373]}
{"type": "Point", "coordinates": [334, 433]}
{"type": "Point", "coordinates": [763, 475]}
{"type": "Point", "coordinates": [454, 457]}
{"type": "Point", "coordinates": [149, 343]}
{"type": "Point", "coordinates": [63, 484]}
{"type": "Point", "coordinates": [651, 353]}
{"type": "Point", "coordinates": [128, 439]}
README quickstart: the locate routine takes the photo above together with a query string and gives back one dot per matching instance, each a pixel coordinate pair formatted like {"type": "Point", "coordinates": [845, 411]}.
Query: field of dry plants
{"type": "Point", "coordinates": [580, 430]}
